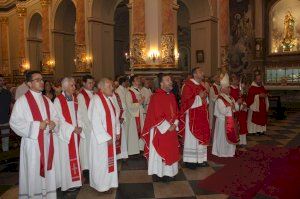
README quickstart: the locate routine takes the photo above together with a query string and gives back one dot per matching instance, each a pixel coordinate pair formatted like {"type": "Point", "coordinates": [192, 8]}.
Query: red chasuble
{"type": "Point", "coordinates": [198, 117]}
{"type": "Point", "coordinates": [36, 114]}
{"type": "Point", "coordinates": [162, 106]}
{"type": "Point", "coordinates": [137, 119]}
{"type": "Point", "coordinates": [258, 117]}
{"type": "Point", "coordinates": [235, 93]}
{"type": "Point", "coordinates": [108, 119]}
{"type": "Point", "coordinates": [231, 129]}
{"type": "Point", "coordinates": [86, 97]}
{"type": "Point", "coordinates": [119, 141]}
{"type": "Point", "coordinates": [74, 166]}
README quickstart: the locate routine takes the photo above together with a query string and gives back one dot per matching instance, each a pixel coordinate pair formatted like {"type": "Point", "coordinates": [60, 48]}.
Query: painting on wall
{"type": "Point", "coordinates": [240, 52]}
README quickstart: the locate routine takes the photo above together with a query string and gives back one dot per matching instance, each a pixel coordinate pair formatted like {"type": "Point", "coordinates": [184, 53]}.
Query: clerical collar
{"type": "Point", "coordinates": [68, 97]}
{"type": "Point", "coordinates": [35, 93]}
{"type": "Point", "coordinates": [195, 82]}
{"type": "Point", "coordinates": [88, 91]}
{"type": "Point", "coordinates": [138, 90]}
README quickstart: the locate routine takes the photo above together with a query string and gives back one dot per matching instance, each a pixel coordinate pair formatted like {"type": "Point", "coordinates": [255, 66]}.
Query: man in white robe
{"type": "Point", "coordinates": [84, 98]}
{"type": "Point", "coordinates": [30, 120]}
{"type": "Point", "coordinates": [146, 92]}
{"type": "Point", "coordinates": [70, 135]}
{"type": "Point", "coordinates": [224, 143]}
{"type": "Point", "coordinates": [135, 116]}
{"type": "Point", "coordinates": [119, 100]}
{"type": "Point", "coordinates": [213, 95]}
{"type": "Point", "coordinates": [105, 131]}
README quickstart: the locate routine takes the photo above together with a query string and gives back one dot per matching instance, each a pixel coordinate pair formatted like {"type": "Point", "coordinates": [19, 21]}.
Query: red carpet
{"type": "Point", "coordinates": [262, 169]}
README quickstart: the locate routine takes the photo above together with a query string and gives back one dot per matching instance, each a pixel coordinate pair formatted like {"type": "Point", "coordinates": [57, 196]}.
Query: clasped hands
{"type": "Point", "coordinates": [45, 123]}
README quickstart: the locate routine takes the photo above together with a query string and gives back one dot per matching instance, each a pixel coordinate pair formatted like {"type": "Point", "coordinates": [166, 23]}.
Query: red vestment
{"type": "Point", "coordinates": [198, 117]}
{"type": "Point", "coordinates": [162, 106]}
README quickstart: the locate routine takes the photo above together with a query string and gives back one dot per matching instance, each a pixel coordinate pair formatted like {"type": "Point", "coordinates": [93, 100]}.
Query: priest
{"type": "Point", "coordinates": [160, 132]}
{"type": "Point", "coordinates": [194, 120]}
{"type": "Point", "coordinates": [70, 134]}
{"type": "Point", "coordinates": [225, 132]}
{"type": "Point", "coordinates": [84, 98]}
{"type": "Point", "coordinates": [105, 132]}
{"type": "Point", "coordinates": [135, 116]}
{"type": "Point", "coordinates": [34, 118]}
{"type": "Point", "coordinates": [258, 104]}
{"type": "Point", "coordinates": [213, 95]}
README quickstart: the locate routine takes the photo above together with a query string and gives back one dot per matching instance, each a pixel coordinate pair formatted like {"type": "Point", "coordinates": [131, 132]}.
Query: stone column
{"type": "Point", "coordinates": [47, 64]}
{"type": "Point", "coordinates": [4, 48]}
{"type": "Point", "coordinates": [224, 31]}
{"type": "Point", "coordinates": [82, 60]}
{"type": "Point", "coordinates": [168, 34]}
{"type": "Point", "coordinates": [22, 11]}
{"type": "Point", "coordinates": [259, 29]}
{"type": "Point", "coordinates": [138, 37]}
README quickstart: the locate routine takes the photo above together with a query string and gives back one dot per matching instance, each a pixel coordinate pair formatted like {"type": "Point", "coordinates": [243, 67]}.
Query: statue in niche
{"type": "Point", "coordinates": [289, 29]}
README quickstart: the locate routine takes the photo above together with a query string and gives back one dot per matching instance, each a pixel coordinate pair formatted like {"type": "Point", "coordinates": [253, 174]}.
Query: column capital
{"type": "Point", "coordinates": [21, 10]}
{"type": "Point", "coordinates": [45, 2]}
{"type": "Point", "coordinates": [3, 20]}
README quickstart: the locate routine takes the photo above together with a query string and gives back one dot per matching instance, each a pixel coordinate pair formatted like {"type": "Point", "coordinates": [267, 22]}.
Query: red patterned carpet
{"type": "Point", "coordinates": [270, 171]}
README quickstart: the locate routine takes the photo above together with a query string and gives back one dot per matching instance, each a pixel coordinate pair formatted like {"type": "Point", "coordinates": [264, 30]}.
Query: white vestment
{"type": "Point", "coordinates": [65, 132]}
{"type": "Point", "coordinates": [85, 123]}
{"type": "Point", "coordinates": [146, 92]}
{"type": "Point", "coordinates": [31, 184]}
{"type": "Point", "coordinates": [255, 128]}
{"type": "Point", "coordinates": [21, 90]}
{"type": "Point", "coordinates": [212, 100]}
{"type": "Point", "coordinates": [193, 152]}
{"type": "Point", "coordinates": [124, 153]}
{"type": "Point", "coordinates": [155, 163]}
{"type": "Point", "coordinates": [135, 145]}
{"type": "Point", "coordinates": [100, 178]}
{"type": "Point", "coordinates": [221, 147]}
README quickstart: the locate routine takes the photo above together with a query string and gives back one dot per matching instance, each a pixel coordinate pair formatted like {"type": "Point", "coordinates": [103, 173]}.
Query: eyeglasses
{"type": "Point", "coordinates": [38, 80]}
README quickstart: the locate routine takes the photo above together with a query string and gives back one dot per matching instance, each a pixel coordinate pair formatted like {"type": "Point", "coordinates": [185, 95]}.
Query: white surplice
{"type": "Point", "coordinates": [254, 128]}
{"type": "Point", "coordinates": [212, 100]}
{"type": "Point", "coordinates": [155, 163]}
{"type": "Point", "coordinates": [124, 153]}
{"type": "Point", "coordinates": [146, 92]}
{"type": "Point", "coordinates": [85, 123]}
{"type": "Point", "coordinates": [221, 147]}
{"type": "Point", "coordinates": [31, 184]}
{"type": "Point", "coordinates": [135, 145]}
{"type": "Point", "coordinates": [193, 152]}
{"type": "Point", "coordinates": [100, 178]}
{"type": "Point", "coordinates": [65, 132]}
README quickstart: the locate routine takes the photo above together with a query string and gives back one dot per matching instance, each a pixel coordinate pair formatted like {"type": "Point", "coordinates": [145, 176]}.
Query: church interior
{"type": "Point", "coordinates": [113, 38]}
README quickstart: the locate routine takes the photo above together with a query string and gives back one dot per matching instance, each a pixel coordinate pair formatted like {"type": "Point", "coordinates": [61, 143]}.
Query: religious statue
{"type": "Point", "coordinates": [289, 28]}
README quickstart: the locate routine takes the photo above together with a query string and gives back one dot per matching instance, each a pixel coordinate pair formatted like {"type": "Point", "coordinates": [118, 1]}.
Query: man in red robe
{"type": "Point", "coordinates": [160, 132]}
{"type": "Point", "coordinates": [242, 112]}
{"type": "Point", "coordinates": [258, 104]}
{"type": "Point", "coordinates": [194, 126]}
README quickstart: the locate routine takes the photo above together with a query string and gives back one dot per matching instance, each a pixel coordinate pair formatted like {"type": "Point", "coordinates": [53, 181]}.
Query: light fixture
{"type": "Point", "coordinates": [154, 55]}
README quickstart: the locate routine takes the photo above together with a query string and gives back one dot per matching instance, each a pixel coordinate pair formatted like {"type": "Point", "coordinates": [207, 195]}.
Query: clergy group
{"type": "Point", "coordinates": [93, 129]}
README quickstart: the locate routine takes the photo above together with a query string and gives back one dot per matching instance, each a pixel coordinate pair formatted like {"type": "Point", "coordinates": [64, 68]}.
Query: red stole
{"type": "Point", "coordinates": [36, 114]}
{"type": "Point", "coordinates": [74, 166]}
{"type": "Point", "coordinates": [110, 147]}
{"type": "Point", "coordinates": [258, 117]}
{"type": "Point", "coordinates": [118, 141]}
{"type": "Point", "coordinates": [137, 119]}
{"type": "Point", "coordinates": [231, 130]}
{"type": "Point", "coordinates": [216, 91]}
{"type": "Point", "coordinates": [198, 117]}
{"type": "Point", "coordinates": [162, 107]}
{"type": "Point", "coordinates": [86, 97]}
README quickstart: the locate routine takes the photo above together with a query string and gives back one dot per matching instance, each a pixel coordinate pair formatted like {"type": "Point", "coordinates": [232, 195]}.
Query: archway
{"type": "Point", "coordinates": [184, 37]}
{"type": "Point", "coordinates": [64, 38]}
{"type": "Point", "coordinates": [35, 41]}
{"type": "Point", "coordinates": [121, 38]}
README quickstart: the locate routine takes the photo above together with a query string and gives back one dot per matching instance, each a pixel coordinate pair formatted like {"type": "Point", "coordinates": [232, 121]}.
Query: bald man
{"type": "Point", "coordinates": [105, 130]}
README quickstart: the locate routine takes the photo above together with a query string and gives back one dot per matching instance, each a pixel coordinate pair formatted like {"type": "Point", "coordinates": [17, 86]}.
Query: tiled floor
{"type": "Point", "coordinates": [135, 183]}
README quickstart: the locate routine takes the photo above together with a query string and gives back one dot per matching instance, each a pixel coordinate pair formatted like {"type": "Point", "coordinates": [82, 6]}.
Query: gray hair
{"type": "Point", "coordinates": [65, 82]}
{"type": "Point", "coordinates": [102, 82]}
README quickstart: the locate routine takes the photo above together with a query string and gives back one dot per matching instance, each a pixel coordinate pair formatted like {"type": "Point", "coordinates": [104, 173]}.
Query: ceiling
{"type": "Point", "coordinates": [6, 5]}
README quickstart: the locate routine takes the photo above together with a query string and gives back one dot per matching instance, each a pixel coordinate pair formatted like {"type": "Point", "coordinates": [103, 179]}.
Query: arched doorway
{"type": "Point", "coordinates": [184, 37]}
{"type": "Point", "coordinates": [121, 38]}
{"type": "Point", "coordinates": [64, 38]}
{"type": "Point", "coordinates": [35, 42]}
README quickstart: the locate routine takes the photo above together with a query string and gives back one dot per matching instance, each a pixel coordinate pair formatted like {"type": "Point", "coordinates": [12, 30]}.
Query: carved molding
{"type": "Point", "coordinates": [167, 49]}
{"type": "Point", "coordinates": [80, 59]}
{"type": "Point", "coordinates": [138, 49]}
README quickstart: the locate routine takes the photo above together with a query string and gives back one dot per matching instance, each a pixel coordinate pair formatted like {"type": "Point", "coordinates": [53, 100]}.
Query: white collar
{"type": "Point", "coordinates": [194, 81]}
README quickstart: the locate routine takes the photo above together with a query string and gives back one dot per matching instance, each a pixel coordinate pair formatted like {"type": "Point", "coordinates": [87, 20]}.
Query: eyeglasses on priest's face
{"type": "Point", "coordinates": [37, 80]}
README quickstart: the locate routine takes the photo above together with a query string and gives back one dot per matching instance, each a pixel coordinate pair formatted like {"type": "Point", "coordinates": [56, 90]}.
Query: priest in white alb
{"type": "Point", "coordinates": [70, 135]}
{"type": "Point", "coordinates": [226, 130]}
{"type": "Point", "coordinates": [34, 118]}
{"type": "Point", "coordinates": [84, 98]}
{"type": "Point", "coordinates": [213, 95]}
{"type": "Point", "coordinates": [160, 132]}
{"type": "Point", "coordinates": [105, 131]}
{"type": "Point", "coordinates": [135, 116]}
